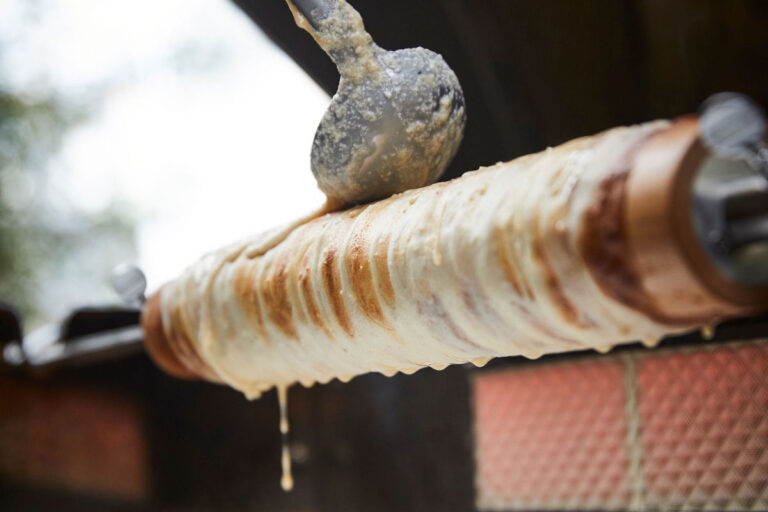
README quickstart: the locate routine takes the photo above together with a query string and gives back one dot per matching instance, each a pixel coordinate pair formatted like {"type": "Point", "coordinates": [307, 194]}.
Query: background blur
{"type": "Point", "coordinates": [142, 131]}
{"type": "Point", "coordinates": [156, 131]}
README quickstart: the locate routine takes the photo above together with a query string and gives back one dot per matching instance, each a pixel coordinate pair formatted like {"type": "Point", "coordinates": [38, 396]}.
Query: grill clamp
{"type": "Point", "coordinates": [734, 213]}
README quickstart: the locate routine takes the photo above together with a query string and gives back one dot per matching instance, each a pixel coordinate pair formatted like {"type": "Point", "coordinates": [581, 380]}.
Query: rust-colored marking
{"type": "Point", "coordinates": [295, 250]}
{"type": "Point", "coordinates": [603, 244]}
{"type": "Point", "coordinates": [158, 340]}
{"type": "Point", "coordinates": [505, 259]}
{"type": "Point", "coordinates": [276, 301]}
{"type": "Point", "coordinates": [247, 291]}
{"type": "Point", "coordinates": [605, 250]}
{"type": "Point", "coordinates": [186, 352]}
{"type": "Point", "coordinates": [305, 285]}
{"type": "Point", "coordinates": [553, 285]}
{"type": "Point", "coordinates": [382, 269]}
{"type": "Point", "coordinates": [332, 281]}
{"type": "Point", "coordinates": [361, 278]}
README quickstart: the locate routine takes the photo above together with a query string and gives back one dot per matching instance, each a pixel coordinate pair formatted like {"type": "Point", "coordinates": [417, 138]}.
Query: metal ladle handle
{"type": "Point", "coordinates": [313, 10]}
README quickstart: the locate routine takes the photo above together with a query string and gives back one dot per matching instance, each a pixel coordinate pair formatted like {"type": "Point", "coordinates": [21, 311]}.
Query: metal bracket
{"type": "Point", "coordinates": [734, 214]}
{"type": "Point", "coordinates": [100, 333]}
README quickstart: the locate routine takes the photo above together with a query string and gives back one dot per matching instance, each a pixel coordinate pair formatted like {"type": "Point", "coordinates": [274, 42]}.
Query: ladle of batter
{"type": "Point", "coordinates": [397, 118]}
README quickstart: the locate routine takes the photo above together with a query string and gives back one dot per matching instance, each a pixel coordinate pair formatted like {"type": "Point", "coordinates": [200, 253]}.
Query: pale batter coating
{"type": "Point", "coordinates": [506, 260]}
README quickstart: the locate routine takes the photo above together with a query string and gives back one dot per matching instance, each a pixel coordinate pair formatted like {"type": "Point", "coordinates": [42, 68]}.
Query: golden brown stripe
{"type": "Point", "coordinates": [182, 345]}
{"type": "Point", "coordinates": [552, 284]}
{"type": "Point", "coordinates": [361, 279]}
{"type": "Point", "coordinates": [276, 300]}
{"type": "Point", "coordinates": [305, 285]}
{"type": "Point", "coordinates": [332, 281]}
{"type": "Point", "coordinates": [381, 265]}
{"type": "Point", "coordinates": [505, 259]}
{"type": "Point", "coordinates": [247, 292]}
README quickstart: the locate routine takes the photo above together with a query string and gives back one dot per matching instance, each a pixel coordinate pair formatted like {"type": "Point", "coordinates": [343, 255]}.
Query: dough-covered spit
{"type": "Point", "coordinates": [547, 253]}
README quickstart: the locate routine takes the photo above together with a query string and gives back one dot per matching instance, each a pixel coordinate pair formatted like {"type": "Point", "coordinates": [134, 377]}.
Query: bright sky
{"type": "Point", "coordinates": [207, 152]}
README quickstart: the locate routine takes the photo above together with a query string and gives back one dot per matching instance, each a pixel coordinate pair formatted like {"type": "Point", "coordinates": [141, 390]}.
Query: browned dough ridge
{"type": "Point", "coordinates": [527, 257]}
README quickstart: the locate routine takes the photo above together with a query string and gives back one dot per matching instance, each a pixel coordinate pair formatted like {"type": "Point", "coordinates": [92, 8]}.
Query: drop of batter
{"type": "Point", "coordinates": [708, 332]}
{"type": "Point", "coordinates": [651, 342]}
{"type": "Point", "coordinates": [286, 481]}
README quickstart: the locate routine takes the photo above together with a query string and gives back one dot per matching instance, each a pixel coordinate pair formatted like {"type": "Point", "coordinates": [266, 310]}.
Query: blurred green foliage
{"type": "Point", "coordinates": [30, 132]}
{"type": "Point", "coordinates": [56, 254]}
{"type": "Point", "coordinates": [48, 256]}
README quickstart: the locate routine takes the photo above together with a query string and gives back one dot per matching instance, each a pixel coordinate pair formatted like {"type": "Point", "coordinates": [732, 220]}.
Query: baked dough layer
{"type": "Point", "coordinates": [505, 260]}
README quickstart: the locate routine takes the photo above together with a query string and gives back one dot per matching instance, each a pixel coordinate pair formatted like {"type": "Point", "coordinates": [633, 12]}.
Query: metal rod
{"type": "Point", "coordinates": [105, 345]}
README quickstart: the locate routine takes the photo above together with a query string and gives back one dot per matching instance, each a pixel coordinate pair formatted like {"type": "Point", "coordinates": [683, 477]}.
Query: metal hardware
{"type": "Point", "coordinates": [130, 284]}
{"type": "Point", "coordinates": [87, 334]}
{"type": "Point", "coordinates": [731, 200]}
{"type": "Point", "coordinates": [733, 126]}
